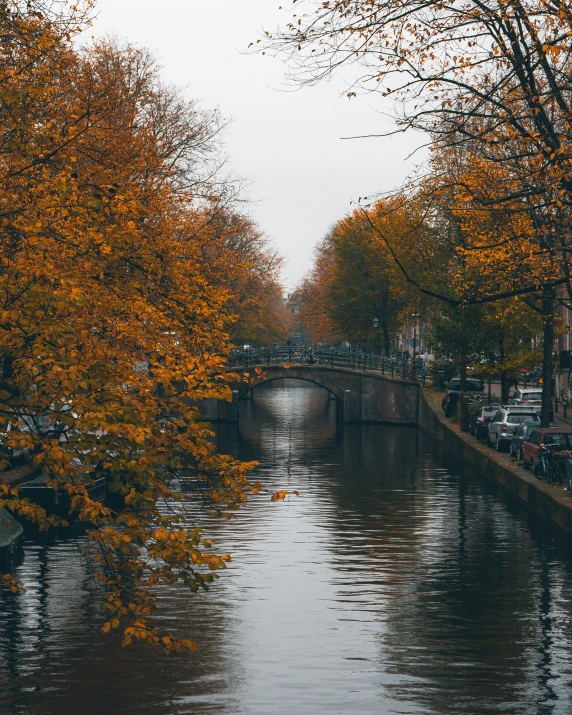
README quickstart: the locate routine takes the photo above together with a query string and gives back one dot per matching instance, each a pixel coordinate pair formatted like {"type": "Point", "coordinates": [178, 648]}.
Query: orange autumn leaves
{"type": "Point", "coordinates": [353, 282]}
{"type": "Point", "coordinates": [122, 256]}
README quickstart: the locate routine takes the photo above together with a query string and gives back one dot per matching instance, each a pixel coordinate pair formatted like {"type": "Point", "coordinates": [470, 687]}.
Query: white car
{"type": "Point", "coordinates": [528, 397]}
{"type": "Point", "coordinates": [506, 421]}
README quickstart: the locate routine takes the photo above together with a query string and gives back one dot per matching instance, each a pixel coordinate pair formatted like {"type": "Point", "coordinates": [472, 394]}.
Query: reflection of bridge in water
{"type": "Point", "coordinates": [367, 388]}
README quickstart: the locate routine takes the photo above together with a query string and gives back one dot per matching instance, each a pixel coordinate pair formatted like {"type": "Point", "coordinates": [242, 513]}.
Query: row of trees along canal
{"type": "Point", "coordinates": [122, 245]}
{"type": "Point", "coordinates": [482, 232]}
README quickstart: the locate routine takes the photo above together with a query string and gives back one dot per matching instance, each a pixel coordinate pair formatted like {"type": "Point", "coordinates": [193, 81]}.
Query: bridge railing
{"type": "Point", "coordinates": [329, 357]}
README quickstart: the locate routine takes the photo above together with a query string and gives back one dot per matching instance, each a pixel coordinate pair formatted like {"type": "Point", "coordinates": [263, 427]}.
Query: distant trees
{"type": "Point", "coordinates": [428, 252]}
{"type": "Point", "coordinates": [250, 272]}
{"type": "Point", "coordinates": [354, 281]}
{"type": "Point", "coordinates": [314, 298]}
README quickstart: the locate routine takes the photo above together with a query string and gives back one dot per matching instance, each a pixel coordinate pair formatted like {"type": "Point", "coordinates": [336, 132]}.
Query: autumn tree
{"type": "Point", "coordinates": [354, 281]}
{"type": "Point", "coordinates": [511, 328]}
{"type": "Point", "coordinates": [492, 80]}
{"type": "Point", "coordinates": [313, 296]}
{"type": "Point", "coordinates": [504, 63]}
{"type": "Point", "coordinates": [249, 268]}
{"type": "Point", "coordinates": [464, 249]}
{"type": "Point", "coordinates": [498, 338]}
{"type": "Point", "coordinates": [112, 327]}
{"type": "Point", "coordinates": [365, 284]}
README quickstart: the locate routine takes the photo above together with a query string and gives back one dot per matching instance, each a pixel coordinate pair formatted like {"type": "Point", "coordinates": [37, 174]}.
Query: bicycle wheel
{"type": "Point", "coordinates": [555, 474]}
{"type": "Point", "coordinates": [539, 470]}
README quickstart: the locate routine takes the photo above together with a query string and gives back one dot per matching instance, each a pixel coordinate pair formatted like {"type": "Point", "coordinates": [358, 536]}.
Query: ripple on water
{"type": "Point", "coordinates": [395, 583]}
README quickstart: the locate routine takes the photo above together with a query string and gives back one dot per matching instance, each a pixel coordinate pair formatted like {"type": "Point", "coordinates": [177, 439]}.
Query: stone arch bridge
{"type": "Point", "coordinates": [362, 395]}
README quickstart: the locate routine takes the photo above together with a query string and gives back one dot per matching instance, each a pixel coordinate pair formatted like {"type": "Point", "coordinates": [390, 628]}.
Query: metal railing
{"type": "Point", "coordinates": [329, 357]}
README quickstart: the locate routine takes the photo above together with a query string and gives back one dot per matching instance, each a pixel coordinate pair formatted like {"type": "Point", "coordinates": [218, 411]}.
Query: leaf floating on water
{"type": "Point", "coordinates": [282, 494]}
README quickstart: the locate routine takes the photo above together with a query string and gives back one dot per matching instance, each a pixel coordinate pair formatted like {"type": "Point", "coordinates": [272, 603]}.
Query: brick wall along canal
{"type": "Point", "coordinates": [397, 583]}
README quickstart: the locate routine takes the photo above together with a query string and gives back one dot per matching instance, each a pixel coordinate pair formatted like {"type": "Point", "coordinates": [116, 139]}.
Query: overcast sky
{"type": "Point", "coordinates": [287, 144]}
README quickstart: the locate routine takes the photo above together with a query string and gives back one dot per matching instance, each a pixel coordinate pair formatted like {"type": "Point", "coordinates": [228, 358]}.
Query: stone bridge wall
{"type": "Point", "coordinates": [361, 396]}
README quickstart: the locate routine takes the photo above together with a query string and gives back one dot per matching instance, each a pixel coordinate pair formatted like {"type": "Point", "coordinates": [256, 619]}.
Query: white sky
{"type": "Point", "coordinates": [287, 144]}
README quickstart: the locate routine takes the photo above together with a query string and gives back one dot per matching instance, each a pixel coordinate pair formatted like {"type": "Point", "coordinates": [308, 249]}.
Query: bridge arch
{"type": "Point", "coordinates": [313, 379]}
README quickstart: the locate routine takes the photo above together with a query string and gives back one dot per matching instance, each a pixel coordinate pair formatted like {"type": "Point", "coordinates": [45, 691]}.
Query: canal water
{"type": "Point", "coordinates": [397, 582]}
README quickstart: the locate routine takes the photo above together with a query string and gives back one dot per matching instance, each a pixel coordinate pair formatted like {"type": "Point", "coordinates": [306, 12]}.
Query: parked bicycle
{"type": "Point", "coordinates": [548, 468]}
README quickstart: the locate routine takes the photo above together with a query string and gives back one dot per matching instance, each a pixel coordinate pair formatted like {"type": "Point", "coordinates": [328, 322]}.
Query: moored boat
{"type": "Point", "coordinates": [56, 501]}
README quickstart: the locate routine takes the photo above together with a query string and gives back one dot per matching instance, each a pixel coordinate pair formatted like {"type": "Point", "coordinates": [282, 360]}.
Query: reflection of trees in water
{"type": "Point", "coordinates": [49, 636]}
{"type": "Point", "coordinates": [536, 584]}
{"type": "Point", "coordinates": [469, 615]}
{"type": "Point", "coordinates": [464, 604]}
{"type": "Point", "coordinates": [452, 571]}
{"type": "Point", "coordinates": [54, 660]}
{"type": "Point", "coordinates": [301, 421]}
{"type": "Point", "coordinates": [454, 577]}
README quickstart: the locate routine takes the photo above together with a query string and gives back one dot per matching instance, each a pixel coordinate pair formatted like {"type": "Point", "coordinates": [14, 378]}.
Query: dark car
{"type": "Point", "coordinates": [480, 420]}
{"type": "Point", "coordinates": [558, 437]}
{"type": "Point", "coordinates": [451, 399]}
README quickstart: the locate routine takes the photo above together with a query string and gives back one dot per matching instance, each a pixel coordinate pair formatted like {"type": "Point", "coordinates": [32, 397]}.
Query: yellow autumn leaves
{"type": "Point", "coordinates": [126, 271]}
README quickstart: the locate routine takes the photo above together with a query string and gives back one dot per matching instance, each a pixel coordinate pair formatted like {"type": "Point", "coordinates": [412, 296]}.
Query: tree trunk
{"type": "Point", "coordinates": [386, 341]}
{"type": "Point", "coordinates": [548, 335]}
{"type": "Point", "coordinates": [462, 372]}
{"type": "Point", "coordinates": [504, 380]}
{"type": "Point", "coordinates": [504, 388]}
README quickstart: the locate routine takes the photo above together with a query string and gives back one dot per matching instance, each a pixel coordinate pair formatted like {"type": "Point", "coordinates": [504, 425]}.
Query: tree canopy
{"type": "Point", "coordinates": [125, 268]}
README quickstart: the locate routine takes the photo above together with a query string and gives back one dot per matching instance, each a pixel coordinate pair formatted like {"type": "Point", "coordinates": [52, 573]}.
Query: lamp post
{"type": "Point", "coordinates": [376, 328]}
{"type": "Point", "coordinates": [414, 316]}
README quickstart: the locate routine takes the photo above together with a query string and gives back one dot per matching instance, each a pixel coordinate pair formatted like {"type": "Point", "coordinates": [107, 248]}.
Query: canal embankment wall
{"type": "Point", "coordinates": [550, 502]}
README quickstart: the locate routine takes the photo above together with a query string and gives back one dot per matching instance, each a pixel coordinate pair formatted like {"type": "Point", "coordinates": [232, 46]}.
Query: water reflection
{"type": "Point", "coordinates": [397, 583]}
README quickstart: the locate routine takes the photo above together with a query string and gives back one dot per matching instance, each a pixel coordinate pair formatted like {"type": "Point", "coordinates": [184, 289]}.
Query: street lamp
{"type": "Point", "coordinates": [415, 316]}
{"type": "Point", "coordinates": [376, 328]}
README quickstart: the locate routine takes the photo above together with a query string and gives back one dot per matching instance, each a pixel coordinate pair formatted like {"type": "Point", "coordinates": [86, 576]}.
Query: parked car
{"type": "Point", "coordinates": [504, 423]}
{"type": "Point", "coordinates": [521, 434]}
{"type": "Point", "coordinates": [560, 437]}
{"type": "Point", "coordinates": [451, 399]}
{"type": "Point", "coordinates": [480, 419]}
{"type": "Point", "coordinates": [530, 397]}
